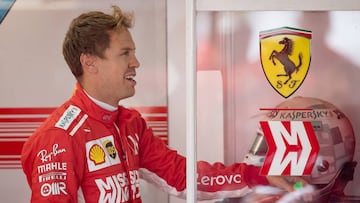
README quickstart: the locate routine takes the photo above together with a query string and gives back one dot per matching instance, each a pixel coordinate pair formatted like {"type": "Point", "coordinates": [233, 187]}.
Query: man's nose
{"type": "Point", "coordinates": [134, 62]}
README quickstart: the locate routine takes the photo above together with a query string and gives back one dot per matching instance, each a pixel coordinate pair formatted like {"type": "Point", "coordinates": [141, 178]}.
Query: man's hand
{"type": "Point", "coordinates": [286, 182]}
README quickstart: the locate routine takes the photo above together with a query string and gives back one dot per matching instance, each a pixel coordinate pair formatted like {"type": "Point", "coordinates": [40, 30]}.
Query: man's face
{"type": "Point", "coordinates": [117, 68]}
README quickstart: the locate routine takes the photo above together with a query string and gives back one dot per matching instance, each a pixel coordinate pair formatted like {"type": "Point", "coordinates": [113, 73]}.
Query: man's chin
{"type": "Point", "coordinates": [130, 94]}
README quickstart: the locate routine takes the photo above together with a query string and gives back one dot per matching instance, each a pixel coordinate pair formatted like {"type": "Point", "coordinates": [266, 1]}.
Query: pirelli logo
{"type": "Point", "coordinates": [17, 124]}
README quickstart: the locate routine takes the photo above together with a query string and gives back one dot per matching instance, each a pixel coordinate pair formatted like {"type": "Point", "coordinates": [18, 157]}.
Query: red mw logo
{"type": "Point", "coordinates": [292, 148]}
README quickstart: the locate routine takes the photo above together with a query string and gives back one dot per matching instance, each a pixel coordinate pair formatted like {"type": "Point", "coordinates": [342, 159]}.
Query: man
{"type": "Point", "coordinates": [91, 149]}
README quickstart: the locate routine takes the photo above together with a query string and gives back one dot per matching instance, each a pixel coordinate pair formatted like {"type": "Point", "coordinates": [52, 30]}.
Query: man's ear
{"type": "Point", "coordinates": [88, 62]}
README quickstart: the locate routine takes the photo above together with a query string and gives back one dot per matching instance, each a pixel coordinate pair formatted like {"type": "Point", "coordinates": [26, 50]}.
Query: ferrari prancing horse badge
{"type": "Point", "coordinates": [285, 58]}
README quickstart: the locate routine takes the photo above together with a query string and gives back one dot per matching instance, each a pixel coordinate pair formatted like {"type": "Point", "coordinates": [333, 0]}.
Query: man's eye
{"type": "Point", "coordinates": [126, 53]}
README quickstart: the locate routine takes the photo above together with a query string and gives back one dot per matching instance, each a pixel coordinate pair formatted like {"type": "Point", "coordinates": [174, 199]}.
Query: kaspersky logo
{"type": "Point", "coordinates": [285, 58]}
{"type": "Point", "coordinates": [292, 148]}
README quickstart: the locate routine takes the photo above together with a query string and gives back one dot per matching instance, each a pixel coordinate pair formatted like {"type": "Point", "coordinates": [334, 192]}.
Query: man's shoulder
{"type": "Point", "coordinates": [62, 120]}
{"type": "Point", "coordinates": [65, 116]}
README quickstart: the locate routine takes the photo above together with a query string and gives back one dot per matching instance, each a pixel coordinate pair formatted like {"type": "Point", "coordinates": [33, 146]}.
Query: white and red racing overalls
{"type": "Point", "coordinates": [83, 150]}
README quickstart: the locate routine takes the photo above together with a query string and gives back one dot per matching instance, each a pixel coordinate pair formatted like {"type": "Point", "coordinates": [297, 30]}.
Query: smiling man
{"type": "Point", "coordinates": [92, 149]}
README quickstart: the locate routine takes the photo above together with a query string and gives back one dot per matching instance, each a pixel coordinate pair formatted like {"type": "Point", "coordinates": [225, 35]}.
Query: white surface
{"type": "Point", "coordinates": [210, 120]}
{"type": "Point", "coordinates": [231, 5]}
{"type": "Point", "coordinates": [33, 72]}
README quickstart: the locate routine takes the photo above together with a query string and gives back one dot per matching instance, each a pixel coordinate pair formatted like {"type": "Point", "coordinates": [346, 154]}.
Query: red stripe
{"type": "Point", "coordinates": [49, 110]}
{"type": "Point", "coordinates": [15, 131]}
{"type": "Point", "coordinates": [156, 118]}
{"type": "Point", "coordinates": [286, 109]}
{"type": "Point", "coordinates": [10, 163]}
{"type": "Point", "coordinates": [22, 120]}
{"type": "Point", "coordinates": [11, 137]}
{"type": "Point", "coordinates": [11, 167]}
{"type": "Point", "coordinates": [262, 36]}
{"type": "Point", "coordinates": [9, 159]}
{"type": "Point", "coordinates": [18, 124]}
{"type": "Point", "coordinates": [27, 110]}
{"type": "Point", "coordinates": [151, 109]}
{"type": "Point", "coordinates": [11, 148]}
{"type": "Point", "coordinates": [160, 131]}
{"type": "Point", "coordinates": [17, 127]}
{"type": "Point", "coordinates": [285, 32]}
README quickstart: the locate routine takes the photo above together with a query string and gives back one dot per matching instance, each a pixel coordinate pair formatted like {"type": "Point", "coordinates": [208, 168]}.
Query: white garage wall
{"type": "Point", "coordinates": [34, 74]}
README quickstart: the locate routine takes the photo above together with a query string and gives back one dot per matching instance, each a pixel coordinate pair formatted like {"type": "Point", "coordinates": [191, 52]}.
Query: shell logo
{"type": "Point", "coordinates": [97, 154]}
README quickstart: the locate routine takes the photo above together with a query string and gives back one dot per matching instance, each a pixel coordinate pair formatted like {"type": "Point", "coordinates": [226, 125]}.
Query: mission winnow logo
{"type": "Point", "coordinates": [292, 148]}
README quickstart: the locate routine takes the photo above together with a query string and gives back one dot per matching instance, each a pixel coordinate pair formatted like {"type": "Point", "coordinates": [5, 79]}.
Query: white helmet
{"type": "Point", "coordinates": [334, 134]}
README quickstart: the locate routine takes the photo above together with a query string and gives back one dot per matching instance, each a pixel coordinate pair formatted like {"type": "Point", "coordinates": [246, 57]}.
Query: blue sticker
{"type": "Point", "coordinates": [5, 6]}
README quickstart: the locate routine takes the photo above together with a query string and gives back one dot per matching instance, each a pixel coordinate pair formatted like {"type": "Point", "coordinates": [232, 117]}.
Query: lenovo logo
{"type": "Point", "coordinates": [292, 148]}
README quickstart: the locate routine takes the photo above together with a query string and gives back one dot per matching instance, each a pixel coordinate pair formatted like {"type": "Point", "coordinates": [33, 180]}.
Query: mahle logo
{"type": "Point", "coordinates": [285, 58]}
{"type": "Point", "coordinates": [292, 148]}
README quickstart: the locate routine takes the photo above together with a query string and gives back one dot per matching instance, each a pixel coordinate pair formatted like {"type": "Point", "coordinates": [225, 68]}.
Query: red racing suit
{"type": "Point", "coordinates": [83, 150]}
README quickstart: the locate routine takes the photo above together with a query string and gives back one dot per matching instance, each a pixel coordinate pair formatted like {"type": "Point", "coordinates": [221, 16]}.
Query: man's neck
{"type": "Point", "coordinates": [102, 104]}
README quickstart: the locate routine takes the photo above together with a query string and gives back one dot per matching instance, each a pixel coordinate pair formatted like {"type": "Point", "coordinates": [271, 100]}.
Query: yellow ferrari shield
{"type": "Point", "coordinates": [285, 58]}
